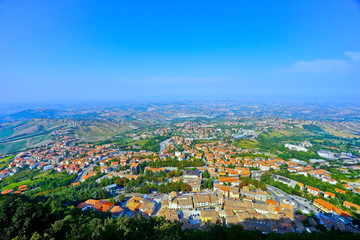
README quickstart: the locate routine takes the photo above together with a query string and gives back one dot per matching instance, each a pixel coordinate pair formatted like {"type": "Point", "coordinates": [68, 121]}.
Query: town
{"type": "Point", "coordinates": [199, 174]}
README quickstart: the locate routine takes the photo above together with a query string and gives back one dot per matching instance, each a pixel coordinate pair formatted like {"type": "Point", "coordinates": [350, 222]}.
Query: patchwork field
{"type": "Point", "coordinates": [340, 131]}
{"type": "Point", "coordinates": [21, 135]}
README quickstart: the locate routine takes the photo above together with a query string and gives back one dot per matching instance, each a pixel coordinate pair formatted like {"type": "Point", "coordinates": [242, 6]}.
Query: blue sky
{"type": "Point", "coordinates": [116, 50]}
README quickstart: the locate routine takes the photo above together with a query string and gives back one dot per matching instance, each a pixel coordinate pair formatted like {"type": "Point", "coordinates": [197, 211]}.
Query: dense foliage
{"type": "Point", "coordinates": [81, 192]}
{"type": "Point", "coordinates": [20, 216]}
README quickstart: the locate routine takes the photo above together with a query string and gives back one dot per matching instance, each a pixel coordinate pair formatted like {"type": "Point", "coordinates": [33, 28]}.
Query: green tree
{"type": "Point", "coordinates": [121, 198]}
{"type": "Point", "coordinates": [206, 174]}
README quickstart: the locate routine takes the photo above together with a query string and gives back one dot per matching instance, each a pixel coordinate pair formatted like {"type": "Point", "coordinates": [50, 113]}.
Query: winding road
{"type": "Point", "coordinates": [300, 203]}
{"type": "Point", "coordinates": [163, 145]}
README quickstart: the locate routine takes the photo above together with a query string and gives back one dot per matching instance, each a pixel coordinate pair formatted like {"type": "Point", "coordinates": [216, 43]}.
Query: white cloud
{"type": "Point", "coordinates": [355, 56]}
{"type": "Point", "coordinates": [318, 66]}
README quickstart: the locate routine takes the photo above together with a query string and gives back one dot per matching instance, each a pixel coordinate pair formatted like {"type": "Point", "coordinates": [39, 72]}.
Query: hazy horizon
{"type": "Point", "coordinates": [54, 52]}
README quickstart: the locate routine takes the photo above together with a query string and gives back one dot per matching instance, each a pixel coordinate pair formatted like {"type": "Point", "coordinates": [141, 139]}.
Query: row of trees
{"type": "Point", "coordinates": [208, 183]}
{"type": "Point", "coordinates": [176, 163]}
{"type": "Point", "coordinates": [148, 182]}
{"type": "Point", "coordinates": [165, 188]}
{"type": "Point", "coordinates": [311, 181]}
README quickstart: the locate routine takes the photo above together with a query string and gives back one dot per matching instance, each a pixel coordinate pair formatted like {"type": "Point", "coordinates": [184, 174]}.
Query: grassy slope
{"type": "Point", "coordinates": [11, 147]}
{"type": "Point", "coordinates": [29, 177]}
{"type": "Point", "coordinates": [338, 133]}
{"type": "Point", "coordinates": [18, 136]}
{"type": "Point", "coordinates": [4, 162]}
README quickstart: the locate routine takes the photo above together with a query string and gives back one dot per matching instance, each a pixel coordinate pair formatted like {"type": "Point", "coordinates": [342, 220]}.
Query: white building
{"type": "Point", "coordinates": [295, 147]}
{"type": "Point", "coordinates": [327, 154]}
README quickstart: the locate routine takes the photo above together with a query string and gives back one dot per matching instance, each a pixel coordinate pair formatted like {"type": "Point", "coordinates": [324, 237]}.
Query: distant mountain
{"type": "Point", "coordinates": [33, 113]}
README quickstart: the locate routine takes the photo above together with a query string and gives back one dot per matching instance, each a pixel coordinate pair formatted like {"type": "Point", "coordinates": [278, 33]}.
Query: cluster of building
{"type": "Point", "coordinates": [64, 155]}
{"type": "Point", "coordinates": [23, 161]}
{"type": "Point", "coordinates": [225, 163]}
{"type": "Point", "coordinates": [329, 208]}
{"type": "Point", "coordinates": [101, 206]}
{"type": "Point", "coordinates": [231, 205]}
{"type": "Point", "coordinates": [150, 134]}
{"type": "Point", "coordinates": [221, 157]}
{"type": "Point", "coordinates": [110, 163]}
